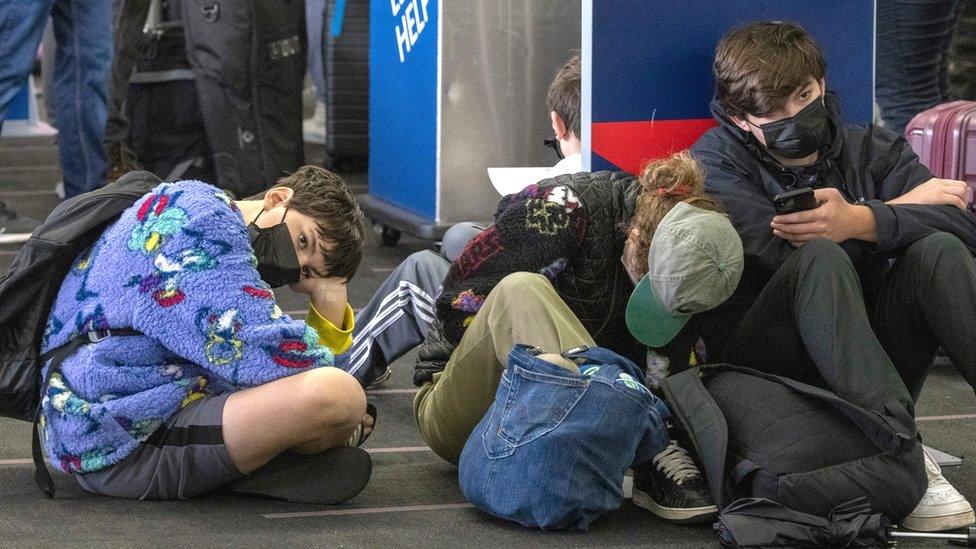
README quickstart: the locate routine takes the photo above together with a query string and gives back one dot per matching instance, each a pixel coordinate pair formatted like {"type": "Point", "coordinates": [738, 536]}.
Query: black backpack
{"type": "Point", "coordinates": [166, 129]}
{"type": "Point", "coordinates": [765, 436]}
{"type": "Point", "coordinates": [28, 290]}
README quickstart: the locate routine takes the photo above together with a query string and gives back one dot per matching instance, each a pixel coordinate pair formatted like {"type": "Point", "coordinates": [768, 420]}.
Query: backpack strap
{"type": "Point", "coordinates": [42, 477]}
{"type": "Point", "coordinates": [892, 429]}
{"type": "Point", "coordinates": [704, 423]}
{"type": "Point", "coordinates": [57, 355]}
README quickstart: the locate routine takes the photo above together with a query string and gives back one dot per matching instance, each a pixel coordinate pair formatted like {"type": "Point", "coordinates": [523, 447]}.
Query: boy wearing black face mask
{"type": "Point", "coordinates": [821, 299]}
{"type": "Point", "coordinates": [194, 378]}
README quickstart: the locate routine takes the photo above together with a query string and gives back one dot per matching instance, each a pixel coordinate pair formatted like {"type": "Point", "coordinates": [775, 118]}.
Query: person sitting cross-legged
{"type": "Point", "coordinates": [858, 293]}
{"type": "Point", "coordinates": [212, 385]}
{"type": "Point", "coordinates": [556, 270]}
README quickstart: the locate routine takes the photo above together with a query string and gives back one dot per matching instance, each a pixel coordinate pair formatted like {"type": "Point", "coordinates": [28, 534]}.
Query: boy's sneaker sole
{"type": "Point", "coordinates": [327, 478]}
{"type": "Point", "coordinates": [679, 515]}
{"type": "Point", "coordinates": [939, 524]}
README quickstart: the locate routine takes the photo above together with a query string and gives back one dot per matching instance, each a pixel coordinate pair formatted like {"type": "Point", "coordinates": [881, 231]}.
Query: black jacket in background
{"type": "Point", "coordinates": [582, 259]}
{"type": "Point", "coordinates": [868, 164]}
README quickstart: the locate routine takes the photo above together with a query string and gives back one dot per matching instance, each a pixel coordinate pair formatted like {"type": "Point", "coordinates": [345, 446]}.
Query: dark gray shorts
{"type": "Point", "coordinates": [185, 457]}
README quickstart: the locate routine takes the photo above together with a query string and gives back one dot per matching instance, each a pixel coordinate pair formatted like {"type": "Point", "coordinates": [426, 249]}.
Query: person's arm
{"type": "Point", "coordinates": [741, 194]}
{"type": "Point", "coordinates": [835, 219]}
{"type": "Point", "coordinates": [912, 204]}
{"type": "Point", "coordinates": [226, 320]}
{"type": "Point", "coordinates": [329, 312]}
{"type": "Point", "coordinates": [536, 230]}
{"type": "Point", "coordinates": [335, 336]}
{"type": "Point", "coordinates": [891, 227]}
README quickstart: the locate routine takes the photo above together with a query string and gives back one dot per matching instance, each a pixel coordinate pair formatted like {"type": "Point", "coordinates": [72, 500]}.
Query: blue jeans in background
{"type": "Point", "coordinates": [912, 43]}
{"type": "Point", "coordinates": [552, 450]}
{"type": "Point", "coordinates": [83, 31]}
{"type": "Point", "coordinates": [314, 26]}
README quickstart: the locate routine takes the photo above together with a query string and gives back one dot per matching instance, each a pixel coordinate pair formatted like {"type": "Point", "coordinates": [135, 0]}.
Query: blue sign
{"type": "Point", "coordinates": [19, 107]}
{"type": "Point", "coordinates": [403, 103]}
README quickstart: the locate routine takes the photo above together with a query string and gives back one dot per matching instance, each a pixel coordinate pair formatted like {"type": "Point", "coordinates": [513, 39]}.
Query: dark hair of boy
{"type": "Point", "coordinates": [323, 196]}
{"type": "Point", "coordinates": [759, 66]}
{"type": "Point", "coordinates": [564, 95]}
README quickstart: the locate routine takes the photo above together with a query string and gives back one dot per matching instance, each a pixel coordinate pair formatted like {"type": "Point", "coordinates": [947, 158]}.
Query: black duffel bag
{"type": "Point", "coordinates": [766, 436]}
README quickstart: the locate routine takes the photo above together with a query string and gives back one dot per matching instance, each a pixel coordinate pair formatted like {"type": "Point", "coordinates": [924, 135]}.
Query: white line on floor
{"type": "Point", "coordinates": [945, 418]}
{"type": "Point", "coordinates": [398, 450]}
{"type": "Point", "coordinates": [370, 510]}
{"type": "Point", "coordinates": [382, 450]}
{"type": "Point", "coordinates": [383, 269]}
{"type": "Point", "coordinates": [28, 193]}
{"type": "Point", "coordinates": [391, 391]}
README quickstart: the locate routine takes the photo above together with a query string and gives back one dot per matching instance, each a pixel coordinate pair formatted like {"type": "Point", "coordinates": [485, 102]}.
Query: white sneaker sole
{"type": "Point", "coordinates": [675, 514]}
{"type": "Point", "coordinates": [940, 523]}
{"type": "Point", "coordinates": [14, 238]}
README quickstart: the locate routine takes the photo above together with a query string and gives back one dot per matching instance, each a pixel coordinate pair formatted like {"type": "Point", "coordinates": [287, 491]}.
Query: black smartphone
{"type": "Point", "coordinates": [795, 201]}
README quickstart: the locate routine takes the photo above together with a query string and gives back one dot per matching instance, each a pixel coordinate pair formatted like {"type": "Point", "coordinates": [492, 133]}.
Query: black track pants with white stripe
{"type": "Point", "coordinates": [397, 317]}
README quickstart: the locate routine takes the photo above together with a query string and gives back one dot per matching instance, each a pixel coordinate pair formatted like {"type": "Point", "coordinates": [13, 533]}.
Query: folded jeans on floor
{"type": "Point", "coordinates": [552, 450]}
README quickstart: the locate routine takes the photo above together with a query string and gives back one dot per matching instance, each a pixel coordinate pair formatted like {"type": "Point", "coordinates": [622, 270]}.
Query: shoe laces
{"type": "Point", "coordinates": [676, 463]}
{"type": "Point", "coordinates": [932, 470]}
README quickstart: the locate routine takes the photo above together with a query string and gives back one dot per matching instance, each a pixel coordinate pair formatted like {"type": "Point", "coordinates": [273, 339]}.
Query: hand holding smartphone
{"type": "Point", "coordinates": [795, 201]}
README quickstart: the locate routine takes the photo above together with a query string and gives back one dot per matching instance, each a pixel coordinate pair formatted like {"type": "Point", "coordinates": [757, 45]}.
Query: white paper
{"type": "Point", "coordinates": [512, 180]}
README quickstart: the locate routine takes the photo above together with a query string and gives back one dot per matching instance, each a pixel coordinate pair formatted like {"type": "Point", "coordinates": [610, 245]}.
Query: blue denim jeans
{"type": "Point", "coordinates": [83, 31]}
{"type": "Point", "coordinates": [317, 34]}
{"type": "Point", "coordinates": [552, 450]}
{"type": "Point", "coordinates": [912, 44]}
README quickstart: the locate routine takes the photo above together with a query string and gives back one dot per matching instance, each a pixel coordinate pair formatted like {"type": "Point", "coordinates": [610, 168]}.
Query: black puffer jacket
{"type": "Point", "coordinates": [582, 258]}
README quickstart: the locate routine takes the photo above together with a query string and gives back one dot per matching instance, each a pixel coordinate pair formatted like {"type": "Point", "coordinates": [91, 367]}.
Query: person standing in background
{"type": "Point", "coordinates": [913, 38]}
{"type": "Point", "coordinates": [128, 22]}
{"type": "Point", "coordinates": [83, 32]}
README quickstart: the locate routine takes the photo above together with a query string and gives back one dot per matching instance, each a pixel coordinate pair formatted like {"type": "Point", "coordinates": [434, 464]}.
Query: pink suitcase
{"type": "Point", "coordinates": [944, 138]}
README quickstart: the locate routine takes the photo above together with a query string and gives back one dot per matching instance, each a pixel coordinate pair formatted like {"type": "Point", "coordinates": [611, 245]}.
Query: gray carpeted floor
{"type": "Point", "coordinates": [413, 498]}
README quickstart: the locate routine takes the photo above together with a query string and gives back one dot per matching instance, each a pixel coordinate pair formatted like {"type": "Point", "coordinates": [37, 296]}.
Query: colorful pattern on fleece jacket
{"type": "Point", "coordinates": [177, 266]}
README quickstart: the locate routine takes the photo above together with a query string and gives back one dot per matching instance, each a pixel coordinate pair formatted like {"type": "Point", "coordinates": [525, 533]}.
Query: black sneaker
{"type": "Point", "coordinates": [15, 228]}
{"type": "Point", "coordinates": [671, 486]}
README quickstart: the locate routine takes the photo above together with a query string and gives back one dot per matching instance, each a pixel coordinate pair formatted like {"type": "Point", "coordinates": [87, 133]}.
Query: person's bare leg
{"type": "Point", "coordinates": [309, 412]}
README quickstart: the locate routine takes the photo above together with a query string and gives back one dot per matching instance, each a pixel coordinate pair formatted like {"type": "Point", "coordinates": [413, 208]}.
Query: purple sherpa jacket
{"type": "Point", "coordinates": [177, 266]}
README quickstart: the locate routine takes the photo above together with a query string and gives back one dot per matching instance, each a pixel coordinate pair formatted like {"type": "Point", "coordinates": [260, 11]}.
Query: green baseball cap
{"type": "Point", "coordinates": [694, 264]}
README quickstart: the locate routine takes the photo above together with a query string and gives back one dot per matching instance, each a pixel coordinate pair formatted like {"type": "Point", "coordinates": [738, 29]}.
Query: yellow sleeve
{"type": "Point", "coordinates": [337, 339]}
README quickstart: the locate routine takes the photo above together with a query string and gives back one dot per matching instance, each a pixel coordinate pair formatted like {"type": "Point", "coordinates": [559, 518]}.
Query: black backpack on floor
{"type": "Point", "coordinates": [766, 436]}
{"type": "Point", "coordinates": [28, 290]}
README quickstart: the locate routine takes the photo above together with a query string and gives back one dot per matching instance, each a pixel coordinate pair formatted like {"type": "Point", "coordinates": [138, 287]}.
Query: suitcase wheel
{"type": "Point", "coordinates": [388, 235]}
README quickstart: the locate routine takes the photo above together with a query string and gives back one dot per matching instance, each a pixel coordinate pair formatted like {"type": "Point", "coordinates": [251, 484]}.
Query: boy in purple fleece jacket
{"type": "Point", "coordinates": [221, 382]}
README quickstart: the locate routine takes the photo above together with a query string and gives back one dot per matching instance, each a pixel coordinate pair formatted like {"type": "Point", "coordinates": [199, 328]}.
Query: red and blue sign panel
{"type": "Point", "coordinates": [650, 66]}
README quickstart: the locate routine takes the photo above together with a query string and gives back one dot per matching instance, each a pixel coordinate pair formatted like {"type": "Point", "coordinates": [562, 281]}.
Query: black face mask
{"type": "Point", "coordinates": [800, 135]}
{"type": "Point", "coordinates": [277, 261]}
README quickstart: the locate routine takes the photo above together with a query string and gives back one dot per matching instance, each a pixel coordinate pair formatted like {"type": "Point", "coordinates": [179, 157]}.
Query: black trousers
{"type": "Point", "coordinates": [810, 322]}
{"type": "Point", "coordinates": [128, 19]}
